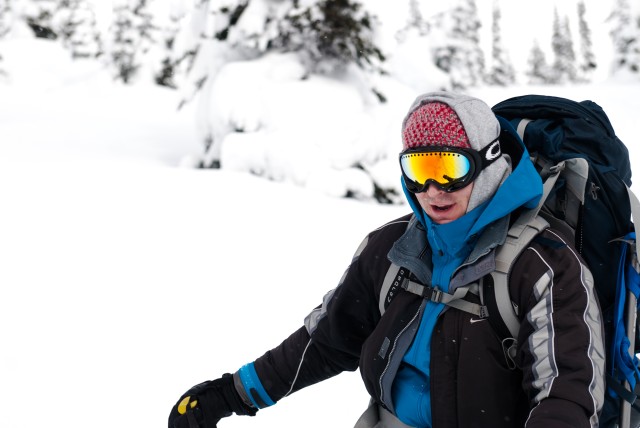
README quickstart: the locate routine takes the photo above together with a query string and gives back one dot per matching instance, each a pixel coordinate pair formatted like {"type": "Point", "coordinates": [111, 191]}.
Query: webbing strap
{"type": "Point", "coordinates": [455, 300]}
{"type": "Point", "coordinates": [613, 383]}
{"type": "Point", "coordinates": [520, 235]}
{"type": "Point", "coordinates": [530, 215]}
{"type": "Point", "coordinates": [505, 256]}
{"type": "Point", "coordinates": [390, 277]}
{"type": "Point", "coordinates": [522, 125]}
{"type": "Point", "coordinates": [516, 243]}
{"type": "Point", "coordinates": [625, 363]}
{"type": "Point", "coordinates": [635, 212]}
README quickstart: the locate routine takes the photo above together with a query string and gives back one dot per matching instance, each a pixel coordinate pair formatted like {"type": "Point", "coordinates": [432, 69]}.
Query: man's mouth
{"type": "Point", "coordinates": [441, 208]}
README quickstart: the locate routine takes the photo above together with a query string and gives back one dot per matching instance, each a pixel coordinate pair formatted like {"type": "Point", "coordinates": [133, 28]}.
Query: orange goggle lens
{"type": "Point", "coordinates": [441, 167]}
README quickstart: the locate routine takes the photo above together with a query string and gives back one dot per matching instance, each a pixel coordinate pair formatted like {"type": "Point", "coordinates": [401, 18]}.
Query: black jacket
{"type": "Point", "coordinates": [560, 359]}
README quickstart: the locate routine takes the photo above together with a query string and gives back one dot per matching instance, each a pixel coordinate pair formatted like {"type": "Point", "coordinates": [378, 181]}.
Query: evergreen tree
{"type": "Point", "coordinates": [38, 15]}
{"type": "Point", "coordinates": [326, 34]}
{"type": "Point", "coordinates": [71, 21]}
{"type": "Point", "coordinates": [587, 63]}
{"type": "Point", "coordinates": [5, 17]}
{"type": "Point", "coordinates": [564, 65]}
{"type": "Point", "coordinates": [625, 35]}
{"type": "Point", "coordinates": [133, 34]}
{"type": "Point", "coordinates": [200, 47]}
{"type": "Point", "coordinates": [634, 57]}
{"type": "Point", "coordinates": [329, 34]}
{"type": "Point", "coordinates": [569, 51]}
{"type": "Point", "coordinates": [5, 26]}
{"type": "Point", "coordinates": [169, 67]}
{"type": "Point", "coordinates": [502, 72]}
{"type": "Point", "coordinates": [459, 54]}
{"type": "Point", "coordinates": [415, 22]}
{"type": "Point", "coordinates": [328, 37]}
{"type": "Point", "coordinates": [123, 47]}
{"type": "Point", "coordinates": [416, 19]}
{"type": "Point", "coordinates": [538, 70]}
{"type": "Point", "coordinates": [75, 23]}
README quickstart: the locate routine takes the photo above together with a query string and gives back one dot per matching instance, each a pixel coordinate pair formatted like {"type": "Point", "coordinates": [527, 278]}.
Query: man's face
{"type": "Point", "coordinates": [443, 207]}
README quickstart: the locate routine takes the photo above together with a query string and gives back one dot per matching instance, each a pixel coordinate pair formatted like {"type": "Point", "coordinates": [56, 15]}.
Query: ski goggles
{"type": "Point", "coordinates": [449, 168]}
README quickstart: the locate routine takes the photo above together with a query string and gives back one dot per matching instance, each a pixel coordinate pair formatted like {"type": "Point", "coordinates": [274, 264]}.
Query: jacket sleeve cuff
{"type": "Point", "coordinates": [250, 388]}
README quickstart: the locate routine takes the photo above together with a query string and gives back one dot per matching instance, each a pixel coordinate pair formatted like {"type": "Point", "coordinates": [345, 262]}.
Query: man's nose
{"type": "Point", "coordinates": [433, 191]}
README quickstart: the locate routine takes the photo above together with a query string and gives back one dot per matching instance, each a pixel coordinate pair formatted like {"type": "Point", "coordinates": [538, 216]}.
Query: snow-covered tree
{"type": "Point", "coordinates": [38, 15]}
{"type": "Point", "coordinates": [564, 64]}
{"type": "Point", "coordinates": [132, 36]}
{"type": "Point", "coordinates": [587, 63]}
{"type": "Point", "coordinates": [170, 72]}
{"type": "Point", "coordinates": [5, 17]}
{"type": "Point", "coordinates": [416, 18]}
{"type": "Point", "coordinates": [75, 23]}
{"type": "Point", "coordinates": [70, 21]}
{"type": "Point", "coordinates": [502, 71]}
{"type": "Point", "coordinates": [5, 26]}
{"type": "Point", "coordinates": [538, 70]}
{"type": "Point", "coordinates": [326, 34]}
{"type": "Point", "coordinates": [625, 35]}
{"type": "Point", "coordinates": [329, 34]}
{"type": "Point", "coordinates": [123, 49]}
{"type": "Point", "coordinates": [200, 46]}
{"type": "Point", "coordinates": [458, 52]}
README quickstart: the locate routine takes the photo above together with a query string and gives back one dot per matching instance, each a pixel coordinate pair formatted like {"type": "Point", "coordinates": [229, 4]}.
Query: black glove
{"type": "Point", "coordinates": [206, 403]}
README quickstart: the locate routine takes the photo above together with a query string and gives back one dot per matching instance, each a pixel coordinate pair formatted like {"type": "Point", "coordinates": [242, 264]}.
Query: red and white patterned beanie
{"type": "Point", "coordinates": [434, 124]}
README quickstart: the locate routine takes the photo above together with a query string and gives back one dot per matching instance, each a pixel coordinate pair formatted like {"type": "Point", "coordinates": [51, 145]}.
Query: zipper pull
{"type": "Point", "coordinates": [594, 191]}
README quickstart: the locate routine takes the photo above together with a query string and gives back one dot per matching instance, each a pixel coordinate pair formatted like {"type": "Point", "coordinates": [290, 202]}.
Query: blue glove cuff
{"type": "Point", "coordinates": [253, 387]}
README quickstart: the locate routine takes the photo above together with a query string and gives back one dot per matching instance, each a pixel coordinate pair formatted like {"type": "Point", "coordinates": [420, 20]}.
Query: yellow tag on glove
{"type": "Point", "coordinates": [182, 407]}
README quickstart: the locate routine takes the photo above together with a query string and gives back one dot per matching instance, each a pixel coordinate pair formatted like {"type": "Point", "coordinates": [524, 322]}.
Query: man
{"type": "Point", "coordinates": [426, 363]}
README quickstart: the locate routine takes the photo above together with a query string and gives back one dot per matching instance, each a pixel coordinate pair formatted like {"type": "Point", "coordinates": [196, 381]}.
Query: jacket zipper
{"type": "Point", "coordinates": [393, 348]}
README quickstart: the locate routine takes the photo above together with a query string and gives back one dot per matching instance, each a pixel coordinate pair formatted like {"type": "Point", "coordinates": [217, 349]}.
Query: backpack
{"type": "Point", "coordinates": [586, 173]}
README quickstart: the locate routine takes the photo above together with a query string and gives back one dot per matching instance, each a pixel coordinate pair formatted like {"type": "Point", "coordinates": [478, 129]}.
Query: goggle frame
{"type": "Point", "coordinates": [478, 160]}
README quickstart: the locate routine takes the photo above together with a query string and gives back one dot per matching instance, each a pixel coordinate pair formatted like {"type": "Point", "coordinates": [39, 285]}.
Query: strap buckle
{"type": "Point", "coordinates": [433, 294]}
{"type": "Point", "coordinates": [484, 312]}
{"type": "Point", "coordinates": [557, 168]}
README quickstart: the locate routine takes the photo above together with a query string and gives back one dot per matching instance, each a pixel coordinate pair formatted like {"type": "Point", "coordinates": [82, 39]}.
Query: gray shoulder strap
{"type": "Point", "coordinates": [506, 254]}
{"type": "Point", "coordinates": [393, 275]}
{"type": "Point", "coordinates": [519, 236]}
{"type": "Point", "coordinates": [635, 213]}
{"type": "Point", "coordinates": [522, 125]}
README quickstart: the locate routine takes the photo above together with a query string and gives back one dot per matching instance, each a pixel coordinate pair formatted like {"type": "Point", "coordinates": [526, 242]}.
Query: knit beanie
{"type": "Point", "coordinates": [434, 124]}
{"type": "Point", "coordinates": [455, 120]}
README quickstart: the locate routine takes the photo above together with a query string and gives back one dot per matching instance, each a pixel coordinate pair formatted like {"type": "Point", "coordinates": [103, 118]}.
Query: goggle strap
{"type": "Point", "coordinates": [490, 153]}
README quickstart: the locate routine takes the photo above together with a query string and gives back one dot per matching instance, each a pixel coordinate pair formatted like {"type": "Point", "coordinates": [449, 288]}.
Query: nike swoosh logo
{"type": "Point", "coordinates": [474, 320]}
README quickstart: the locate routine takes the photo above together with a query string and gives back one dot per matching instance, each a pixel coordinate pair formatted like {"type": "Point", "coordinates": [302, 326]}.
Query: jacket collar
{"type": "Point", "coordinates": [412, 251]}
